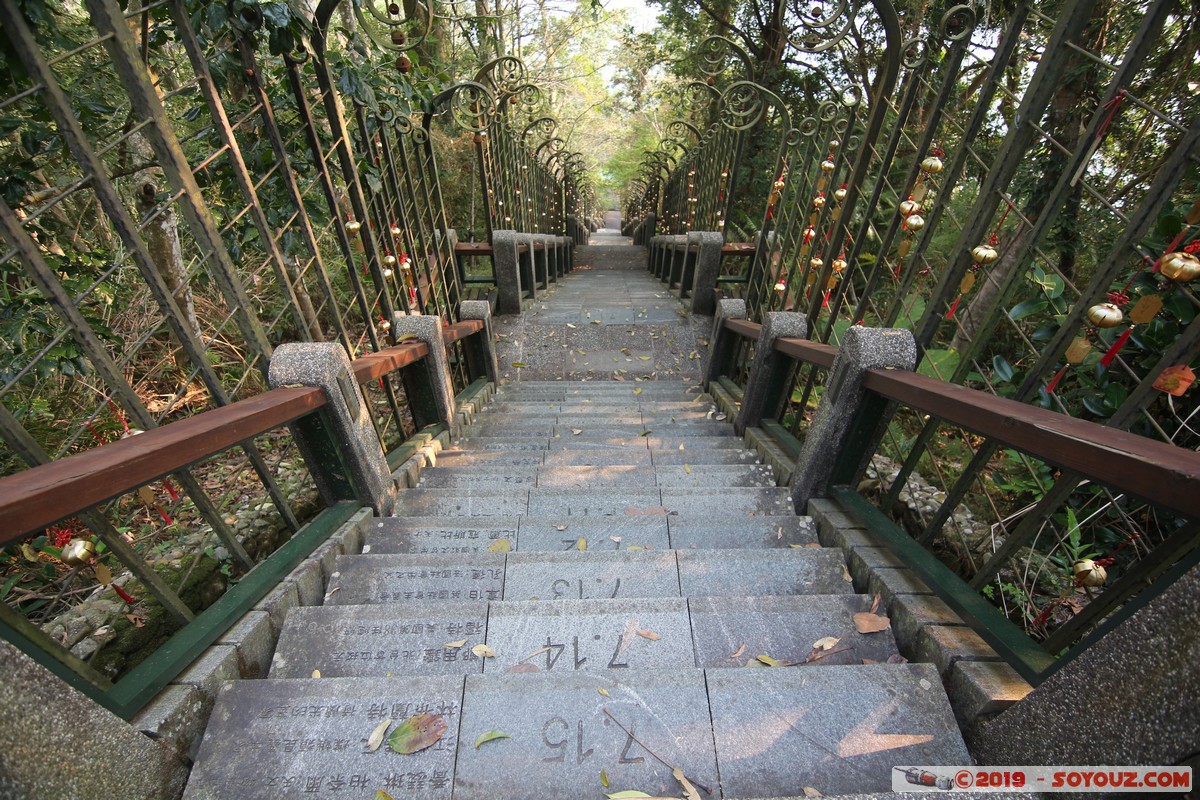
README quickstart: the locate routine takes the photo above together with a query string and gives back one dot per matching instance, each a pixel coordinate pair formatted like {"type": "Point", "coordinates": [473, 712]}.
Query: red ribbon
{"type": "Point", "coordinates": [124, 595]}
{"type": "Point", "coordinates": [953, 307]}
{"type": "Point", "coordinates": [1116, 347]}
{"type": "Point", "coordinates": [1053, 384]}
{"type": "Point", "coordinates": [171, 490]}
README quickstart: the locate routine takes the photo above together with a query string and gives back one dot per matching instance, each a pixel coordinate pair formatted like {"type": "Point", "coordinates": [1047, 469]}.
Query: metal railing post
{"type": "Point", "coordinates": [845, 428]}
{"type": "Point", "coordinates": [339, 443]}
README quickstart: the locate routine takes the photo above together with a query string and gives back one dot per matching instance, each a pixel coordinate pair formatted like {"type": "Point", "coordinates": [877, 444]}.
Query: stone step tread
{"type": "Point", "coordinates": [586, 477]}
{"type": "Point", "coordinates": [601, 430]}
{"type": "Point", "coordinates": [616, 633]}
{"type": "Point", "coordinates": [570, 502]}
{"type": "Point", "coordinates": [598, 408]}
{"type": "Point", "coordinates": [748, 733]}
{"type": "Point", "coordinates": [599, 572]}
{"type": "Point", "coordinates": [584, 441]}
{"type": "Point", "coordinates": [456, 534]}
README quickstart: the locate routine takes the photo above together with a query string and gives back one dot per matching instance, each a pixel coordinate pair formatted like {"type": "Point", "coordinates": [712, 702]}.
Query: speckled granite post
{"type": "Point", "coordinates": [708, 267]}
{"type": "Point", "coordinates": [721, 343]}
{"type": "Point", "coordinates": [1132, 698]}
{"type": "Point", "coordinates": [507, 263]}
{"type": "Point", "coordinates": [326, 365]}
{"type": "Point", "coordinates": [55, 742]}
{"type": "Point", "coordinates": [862, 349]}
{"type": "Point", "coordinates": [482, 346]}
{"type": "Point", "coordinates": [770, 369]}
{"type": "Point", "coordinates": [428, 329]}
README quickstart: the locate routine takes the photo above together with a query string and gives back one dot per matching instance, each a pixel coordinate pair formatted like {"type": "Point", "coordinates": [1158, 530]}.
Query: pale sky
{"type": "Point", "coordinates": [642, 18]}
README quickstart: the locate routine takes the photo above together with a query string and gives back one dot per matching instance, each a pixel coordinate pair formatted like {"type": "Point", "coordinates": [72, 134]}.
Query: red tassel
{"type": "Point", "coordinates": [825, 301]}
{"type": "Point", "coordinates": [1053, 384]}
{"type": "Point", "coordinates": [770, 211]}
{"type": "Point", "coordinates": [1116, 347]}
{"type": "Point", "coordinates": [124, 595]}
{"type": "Point", "coordinates": [162, 512]}
{"type": "Point", "coordinates": [953, 307]}
{"type": "Point", "coordinates": [171, 490]}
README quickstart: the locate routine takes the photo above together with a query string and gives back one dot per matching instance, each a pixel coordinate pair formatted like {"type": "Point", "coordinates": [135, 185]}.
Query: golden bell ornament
{"type": "Point", "coordinates": [780, 287]}
{"type": "Point", "coordinates": [931, 165]}
{"type": "Point", "coordinates": [839, 193]}
{"type": "Point", "coordinates": [389, 260]}
{"type": "Point", "coordinates": [984, 254]}
{"type": "Point", "coordinates": [909, 207]}
{"type": "Point", "coordinates": [353, 227]}
{"type": "Point", "coordinates": [1105, 315]}
{"type": "Point", "coordinates": [816, 263]}
{"type": "Point", "coordinates": [387, 273]}
{"type": "Point", "coordinates": [828, 166]}
{"type": "Point", "coordinates": [78, 552]}
{"type": "Point", "coordinates": [818, 202]}
{"type": "Point", "coordinates": [1180, 266]}
{"type": "Point", "coordinates": [779, 184]}
{"type": "Point", "coordinates": [914, 222]}
{"type": "Point", "coordinates": [839, 264]}
{"type": "Point", "coordinates": [396, 230]}
{"type": "Point", "coordinates": [1089, 573]}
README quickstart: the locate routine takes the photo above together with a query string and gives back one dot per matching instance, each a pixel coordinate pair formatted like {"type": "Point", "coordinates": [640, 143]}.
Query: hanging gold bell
{"type": "Point", "coordinates": [909, 207]}
{"type": "Point", "coordinates": [1180, 266]}
{"type": "Point", "coordinates": [839, 264]}
{"type": "Point", "coordinates": [78, 552]}
{"type": "Point", "coordinates": [1105, 315]}
{"type": "Point", "coordinates": [914, 222]}
{"type": "Point", "coordinates": [828, 166]}
{"type": "Point", "coordinates": [353, 227]}
{"type": "Point", "coordinates": [816, 263]}
{"type": "Point", "coordinates": [931, 165]}
{"type": "Point", "coordinates": [839, 193]}
{"type": "Point", "coordinates": [984, 254]}
{"type": "Point", "coordinates": [818, 202]}
{"type": "Point", "coordinates": [1089, 573]}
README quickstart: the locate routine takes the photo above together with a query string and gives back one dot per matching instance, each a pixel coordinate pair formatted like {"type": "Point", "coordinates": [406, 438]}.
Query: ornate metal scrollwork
{"type": "Point", "coordinates": [469, 104]}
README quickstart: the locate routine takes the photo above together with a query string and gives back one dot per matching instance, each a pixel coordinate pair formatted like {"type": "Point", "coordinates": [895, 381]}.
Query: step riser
{"type": "Point", "coordinates": [545, 502]}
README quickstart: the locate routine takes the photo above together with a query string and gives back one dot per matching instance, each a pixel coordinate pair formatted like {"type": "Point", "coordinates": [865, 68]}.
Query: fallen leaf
{"type": "Point", "coordinates": [560, 527]}
{"type": "Point", "coordinates": [146, 495]}
{"type": "Point", "coordinates": [637, 390]}
{"type": "Point", "coordinates": [811, 792]}
{"type": "Point", "coordinates": [596, 322]}
{"type": "Point", "coordinates": [404, 337]}
{"type": "Point", "coordinates": [645, 433]}
{"type": "Point", "coordinates": [524, 668]}
{"type": "Point", "coordinates": [500, 546]}
{"type": "Point", "coordinates": [581, 545]}
{"type": "Point", "coordinates": [651, 635]}
{"type": "Point", "coordinates": [603, 691]}
{"type": "Point", "coordinates": [630, 793]}
{"type": "Point", "coordinates": [483, 651]}
{"type": "Point", "coordinates": [535, 653]}
{"type": "Point", "coordinates": [576, 431]}
{"type": "Point", "coordinates": [896, 658]}
{"type": "Point", "coordinates": [453, 645]}
{"type": "Point", "coordinates": [825, 643]}
{"type": "Point", "coordinates": [869, 661]}
{"type": "Point", "coordinates": [604, 779]}
{"type": "Point", "coordinates": [681, 445]}
{"type": "Point", "coordinates": [687, 468]}
{"type": "Point", "coordinates": [376, 737]}
{"type": "Point", "coordinates": [616, 539]}
{"type": "Point", "coordinates": [518, 364]}
{"type": "Point", "coordinates": [569, 325]}
{"type": "Point", "coordinates": [635, 547]}
{"type": "Point", "coordinates": [738, 653]}
{"type": "Point", "coordinates": [689, 791]}
{"type": "Point", "coordinates": [866, 622]}
{"type": "Point", "coordinates": [380, 794]}
{"type": "Point", "coordinates": [490, 736]}
{"type": "Point", "coordinates": [643, 358]}
{"type": "Point", "coordinates": [772, 662]}
{"type": "Point", "coordinates": [104, 575]}
{"type": "Point", "coordinates": [416, 733]}
{"type": "Point", "coordinates": [316, 673]}
{"type": "Point", "coordinates": [137, 620]}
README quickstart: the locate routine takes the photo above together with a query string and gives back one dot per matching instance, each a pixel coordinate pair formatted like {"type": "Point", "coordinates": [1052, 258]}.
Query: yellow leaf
{"type": "Point", "coordinates": [604, 779]}
{"type": "Point", "coordinates": [500, 546]}
{"type": "Point", "coordinates": [146, 495]}
{"type": "Point", "coordinates": [576, 431]}
{"type": "Point", "coordinates": [104, 575]}
{"type": "Point", "coordinates": [380, 794]}
{"type": "Point", "coordinates": [518, 364]}
{"type": "Point", "coordinates": [376, 737]}
{"type": "Point", "coordinates": [643, 358]}
{"type": "Point", "coordinates": [687, 468]}
{"type": "Point", "coordinates": [453, 645]}
{"type": "Point", "coordinates": [635, 547]}
{"type": "Point", "coordinates": [316, 673]}
{"type": "Point", "coordinates": [490, 736]}
{"type": "Point", "coordinates": [483, 651]}
{"type": "Point", "coordinates": [651, 635]}
{"type": "Point", "coordinates": [637, 390]}
{"type": "Point", "coordinates": [602, 691]}
{"type": "Point", "coordinates": [826, 643]}
{"type": "Point", "coordinates": [773, 662]}
{"type": "Point", "coordinates": [581, 545]}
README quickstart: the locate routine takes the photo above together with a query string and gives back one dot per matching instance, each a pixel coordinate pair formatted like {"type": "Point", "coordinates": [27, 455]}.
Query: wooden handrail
{"type": "Point", "coordinates": [35, 498]}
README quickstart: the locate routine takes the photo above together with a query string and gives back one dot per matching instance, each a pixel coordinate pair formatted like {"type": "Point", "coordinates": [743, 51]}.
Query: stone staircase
{"type": "Point", "coordinates": [635, 573]}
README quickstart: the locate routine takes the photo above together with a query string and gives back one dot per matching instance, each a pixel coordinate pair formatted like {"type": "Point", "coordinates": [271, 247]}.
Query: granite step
{"type": "Point", "coordinates": [737, 733]}
{"type": "Point", "coordinates": [598, 429]}
{"type": "Point", "coordinates": [596, 476]}
{"type": "Point", "coordinates": [588, 440]}
{"type": "Point", "coordinates": [584, 575]}
{"type": "Point", "coordinates": [665, 501]}
{"type": "Point", "coordinates": [420, 637]}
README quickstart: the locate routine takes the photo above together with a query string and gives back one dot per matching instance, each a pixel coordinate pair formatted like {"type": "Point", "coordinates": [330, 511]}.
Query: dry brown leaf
{"type": "Point", "coordinates": [811, 792]}
{"type": "Point", "coordinates": [376, 737]}
{"type": "Point", "coordinates": [651, 635]}
{"type": "Point", "coordinates": [866, 622]}
{"type": "Point", "coordinates": [453, 645]}
{"type": "Point", "coordinates": [104, 575]}
{"type": "Point", "coordinates": [738, 653]}
{"type": "Point", "coordinates": [137, 620]}
{"type": "Point", "coordinates": [825, 643]}
{"type": "Point", "coordinates": [535, 653]}
{"type": "Point", "coordinates": [689, 791]}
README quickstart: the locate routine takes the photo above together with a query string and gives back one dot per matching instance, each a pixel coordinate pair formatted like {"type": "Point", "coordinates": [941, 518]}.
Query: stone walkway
{"type": "Point", "coordinates": [596, 590]}
{"type": "Point", "coordinates": [607, 320]}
